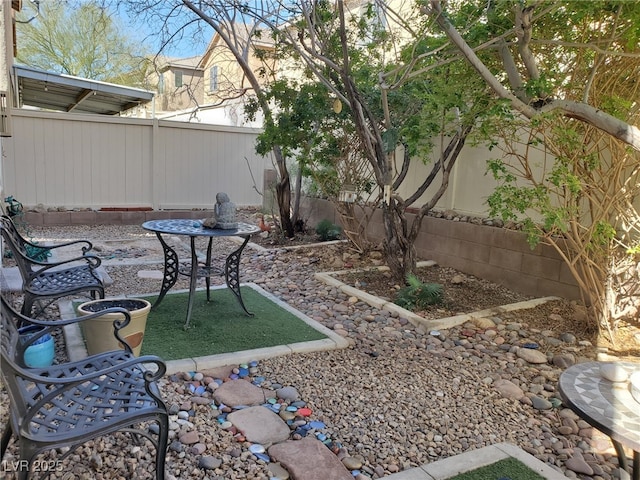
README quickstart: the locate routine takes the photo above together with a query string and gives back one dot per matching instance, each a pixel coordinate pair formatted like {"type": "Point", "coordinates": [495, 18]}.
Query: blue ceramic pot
{"type": "Point", "coordinates": [42, 352]}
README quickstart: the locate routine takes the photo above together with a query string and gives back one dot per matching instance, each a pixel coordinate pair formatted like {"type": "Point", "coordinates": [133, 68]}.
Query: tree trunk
{"type": "Point", "coordinates": [297, 196]}
{"type": "Point", "coordinates": [399, 250]}
{"type": "Point", "coordinates": [283, 194]}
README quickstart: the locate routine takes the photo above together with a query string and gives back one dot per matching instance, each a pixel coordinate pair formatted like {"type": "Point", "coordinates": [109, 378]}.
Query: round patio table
{"type": "Point", "coordinates": [606, 405]}
{"type": "Point", "coordinates": [194, 229]}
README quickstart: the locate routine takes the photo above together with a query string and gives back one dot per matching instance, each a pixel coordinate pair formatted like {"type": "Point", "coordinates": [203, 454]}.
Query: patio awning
{"type": "Point", "coordinates": [54, 91]}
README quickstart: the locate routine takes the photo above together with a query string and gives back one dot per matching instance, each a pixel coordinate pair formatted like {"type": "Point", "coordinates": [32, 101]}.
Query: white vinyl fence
{"type": "Point", "coordinates": [91, 161]}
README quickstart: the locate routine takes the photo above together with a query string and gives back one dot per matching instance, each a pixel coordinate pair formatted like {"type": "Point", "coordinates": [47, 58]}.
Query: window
{"type": "Point", "coordinates": [213, 79]}
{"type": "Point", "coordinates": [161, 83]}
{"type": "Point", "coordinates": [178, 78]}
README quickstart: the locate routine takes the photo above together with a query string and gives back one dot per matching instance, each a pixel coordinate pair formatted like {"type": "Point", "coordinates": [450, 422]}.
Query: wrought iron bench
{"type": "Point", "coordinates": [49, 281]}
{"type": "Point", "coordinates": [68, 404]}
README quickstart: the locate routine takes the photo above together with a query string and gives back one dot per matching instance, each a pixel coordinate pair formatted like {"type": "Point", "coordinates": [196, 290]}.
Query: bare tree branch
{"type": "Point", "coordinates": [619, 129]}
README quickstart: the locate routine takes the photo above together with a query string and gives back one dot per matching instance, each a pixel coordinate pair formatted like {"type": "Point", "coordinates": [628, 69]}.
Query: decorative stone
{"type": "Point", "coordinates": [564, 360]}
{"type": "Point", "coordinates": [577, 464]}
{"type": "Point", "coordinates": [309, 459]}
{"type": "Point", "coordinates": [483, 323]}
{"type": "Point", "coordinates": [209, 222]}
{"type": "Point", "coordinates": [256, 448]}
{"type": "Point", "coordinates": [531, 356]}
{"type": "Point", "coordinates": [260, 425]}
{"type": "Point", "coordinates": [198, 449]}
{"type": "Point", "coordinates": [277, 472]}
{"type": "Point", "coordinates": [189, 438]}
{"type": "Point", "coordinates": [352, 463]}
{"type": "Point", "coordinates": [305, 412]}
{"type": "Point", "coordinates": [240, 392]}
{"type": "Point", "coordinates": [262, 456]}
{"type": "Point", "coordinates": [209, 463]}
{"type": "Point", "coordinates": [287, 415]}
{"type": "Point", "coordinates": [540, 403]}
{"type": "Point", "coordinates": [288, 393]}
{"type": "Point", "coordinates": [508, 389]}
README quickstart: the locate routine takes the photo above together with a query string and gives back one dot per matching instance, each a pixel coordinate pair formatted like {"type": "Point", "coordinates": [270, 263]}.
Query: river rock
{"type": "Point", "coordinates": [577, 464]}
{"type": "Point", "coordinates": [241, 392]}
{"type": "Point", "coordinates": [209, 463]}
{"type": "Point", "coordinates": [483, 323]}
{"type": "Point", "coordinates": [540, 403]}
{"type": "Point", "coordinates": [288, 393]}
{"type": "Point", "coordinates": [531, 356]}
{"type": "Point", "coordinates": [564, 360]}
{"type": "Point", "coordinates": [508, 389]}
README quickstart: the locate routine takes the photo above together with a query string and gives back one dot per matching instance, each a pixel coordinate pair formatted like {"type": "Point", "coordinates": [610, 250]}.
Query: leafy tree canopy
{"type": "Point", "coordinates": [78, 38]}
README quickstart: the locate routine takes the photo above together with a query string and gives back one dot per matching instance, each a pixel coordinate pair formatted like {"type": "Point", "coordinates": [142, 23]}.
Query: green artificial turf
{"type": "Point", "coordinates": [220, 326]}
{"type": "Point", "coordinates": [507, 469]}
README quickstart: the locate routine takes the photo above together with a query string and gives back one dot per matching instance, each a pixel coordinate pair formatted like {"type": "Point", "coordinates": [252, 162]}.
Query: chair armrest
{"type": "Point", "coordinates": [69, 321]}
{"type": "Point", "coordinates": [50, 325]}
{"type": "Point", "coordinates": [87, 245]}
{"type": "Point", "coordinates": [93, 262]}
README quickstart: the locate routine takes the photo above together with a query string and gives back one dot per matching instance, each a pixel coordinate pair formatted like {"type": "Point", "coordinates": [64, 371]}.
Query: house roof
{"type": "Point", "coordinates": [55, 91]}
{"type": "Point", "coordinates": [243, 32]}
{"type": "Point", "coordinates": [190, 63]}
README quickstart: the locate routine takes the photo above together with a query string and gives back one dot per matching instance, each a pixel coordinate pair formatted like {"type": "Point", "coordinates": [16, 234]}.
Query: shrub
{"type": "Point", "coordinates": [418, 295]}
{"type": "Point", "coordinates": [327, 230]}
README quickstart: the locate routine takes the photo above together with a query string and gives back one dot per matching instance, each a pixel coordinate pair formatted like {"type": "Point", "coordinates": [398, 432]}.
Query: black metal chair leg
{"type": "Point", "coordinates": [6, 438]}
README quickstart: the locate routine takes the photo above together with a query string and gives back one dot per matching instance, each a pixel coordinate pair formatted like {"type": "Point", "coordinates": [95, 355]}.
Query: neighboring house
{"type": "Point", "coordinates": [223, 75]}
{"type": "Point", "coordinates": [213, 88]}
{"type": "Point", "coordinates": [179, 84]}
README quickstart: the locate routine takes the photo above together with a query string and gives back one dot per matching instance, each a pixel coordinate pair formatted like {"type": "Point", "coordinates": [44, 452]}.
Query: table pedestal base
{"type": "Point", "coordinates": [172, 270]}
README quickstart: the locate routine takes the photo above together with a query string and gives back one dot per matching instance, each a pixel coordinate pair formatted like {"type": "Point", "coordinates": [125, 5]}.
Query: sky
{"type": "Point", "coordinates": [146, 33]}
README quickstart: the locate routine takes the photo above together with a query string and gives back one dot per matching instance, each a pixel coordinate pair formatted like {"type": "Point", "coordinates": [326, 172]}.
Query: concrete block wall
{"type": "Point", "coordinates": [496, 254]}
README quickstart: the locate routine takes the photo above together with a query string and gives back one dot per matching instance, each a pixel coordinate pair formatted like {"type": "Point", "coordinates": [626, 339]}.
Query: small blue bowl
{"type": "Point", "coordinates": [42, 352]}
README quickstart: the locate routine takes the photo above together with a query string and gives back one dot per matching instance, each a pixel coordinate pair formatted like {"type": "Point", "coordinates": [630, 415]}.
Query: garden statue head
{"type": "Point", "coordinates": [225, 212]}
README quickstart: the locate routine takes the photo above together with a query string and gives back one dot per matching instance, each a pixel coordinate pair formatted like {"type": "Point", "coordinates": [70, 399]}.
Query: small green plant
{"type": "Point", "coordinates": [418, 295]}
{"type": "Point", "coordinates": [15, 211]}
{"type": "Point", "coordinates": [327, 230]}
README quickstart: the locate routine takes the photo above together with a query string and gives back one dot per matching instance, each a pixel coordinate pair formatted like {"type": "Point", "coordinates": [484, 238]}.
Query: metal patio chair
{"type": "Point", "coordinates": [49, 281]}
{"type": "Point", "coordinates": [68, 404]}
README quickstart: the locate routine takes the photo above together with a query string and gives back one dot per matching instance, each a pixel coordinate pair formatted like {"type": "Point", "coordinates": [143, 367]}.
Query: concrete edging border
{"type": "Point", "coordinates": [76, 349]}
{"type": "Point", "coordinates": [471, 460]}
{"type": "Point", "coordinates": [440, 323]}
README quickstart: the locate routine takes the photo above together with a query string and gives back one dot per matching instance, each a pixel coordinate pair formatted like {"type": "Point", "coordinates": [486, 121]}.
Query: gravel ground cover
{"type": "Point", "coordinates": [398, 397]}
